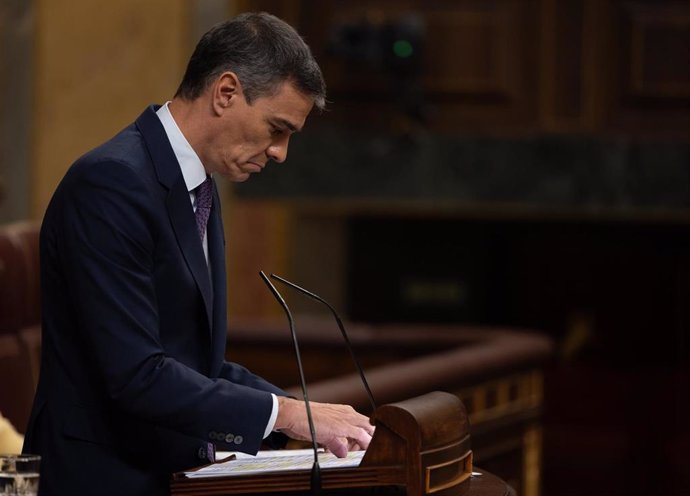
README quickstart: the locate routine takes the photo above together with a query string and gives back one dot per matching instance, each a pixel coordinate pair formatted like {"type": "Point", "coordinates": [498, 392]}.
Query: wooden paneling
{"type": "Point", "coordinates": [93, 77]}
{"type": "Point", "coordinates": [16, 33]}
{"type": "Point", "coordinates": [481, 73]}
{"type": "Point", "coordinates": [469, 53]}
{"type": "Point", "coordinates": [476, 69]}
{"type": "Point", "coordinates": [659, 50]}
{"type": "Point", "coordinates": [288, 10]}
{"type": "Point", "coordinates": [646, 75]}
{"type": "Point", "coordinates": [257, 236]}
{"type": "Point", "coordinates": [562, 56]}
{"type": "Point", "coordinates": [467, 49]}
{"type": "Point", "coordinates": [509, 67]}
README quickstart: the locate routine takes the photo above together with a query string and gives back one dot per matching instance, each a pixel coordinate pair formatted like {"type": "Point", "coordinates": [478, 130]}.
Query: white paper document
{"type": "Point", "coordinates": [274, 461]}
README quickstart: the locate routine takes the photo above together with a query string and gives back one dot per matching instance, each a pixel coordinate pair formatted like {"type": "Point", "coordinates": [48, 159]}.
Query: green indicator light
{"type": "Point", "coordinates": [402, 49]}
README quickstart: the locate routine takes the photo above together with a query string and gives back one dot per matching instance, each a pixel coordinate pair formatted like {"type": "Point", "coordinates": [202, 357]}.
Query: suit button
{"type": "Point", "coordinates": [229, 438]}
{"type": "Point", "coordinates": [202, 453]}
{"type": "Point", "coordinates": [238, 439]}
{"type": "Point", "coordinates": [212, 435]}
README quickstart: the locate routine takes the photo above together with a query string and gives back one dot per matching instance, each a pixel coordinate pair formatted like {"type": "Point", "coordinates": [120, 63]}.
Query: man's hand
{"type": "Point", "coordinates": [339, 428]}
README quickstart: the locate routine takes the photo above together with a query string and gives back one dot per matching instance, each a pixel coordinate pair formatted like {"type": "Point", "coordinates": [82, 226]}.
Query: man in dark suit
{"type": "Point", "coordinates": [133, 380]}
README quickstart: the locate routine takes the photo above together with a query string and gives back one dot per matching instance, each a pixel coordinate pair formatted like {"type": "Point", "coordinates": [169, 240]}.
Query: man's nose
{"type": "Point", "coordinates": [278, 151]}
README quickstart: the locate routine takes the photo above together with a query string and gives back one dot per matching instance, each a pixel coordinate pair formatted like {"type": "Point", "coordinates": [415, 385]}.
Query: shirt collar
{"type": "Point", "coordinates": [193, 170]}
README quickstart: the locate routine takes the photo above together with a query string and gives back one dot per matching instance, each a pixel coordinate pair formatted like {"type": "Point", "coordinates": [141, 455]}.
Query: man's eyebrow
{"type": "Point", "coordinates": [285, 123]}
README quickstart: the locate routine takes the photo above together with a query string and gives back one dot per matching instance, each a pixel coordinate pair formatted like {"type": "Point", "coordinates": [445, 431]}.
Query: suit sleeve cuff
{"type": "Point", "coordinates": [274, 416]}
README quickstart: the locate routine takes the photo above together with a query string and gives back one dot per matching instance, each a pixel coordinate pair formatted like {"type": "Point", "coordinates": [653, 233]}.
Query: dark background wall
{"type": "Point", "coordinates": [514, 163]}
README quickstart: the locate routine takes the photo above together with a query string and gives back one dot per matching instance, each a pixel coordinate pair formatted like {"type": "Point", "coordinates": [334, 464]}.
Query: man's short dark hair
{"type": "Point", "coordinates": [262, 50]}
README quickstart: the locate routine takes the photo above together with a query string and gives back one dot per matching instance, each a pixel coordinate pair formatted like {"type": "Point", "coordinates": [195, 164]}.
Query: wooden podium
{"type": "Point", "coordinates": [421, 444]}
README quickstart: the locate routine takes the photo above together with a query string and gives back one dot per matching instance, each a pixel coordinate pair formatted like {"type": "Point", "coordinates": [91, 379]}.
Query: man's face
{"type": "Point", "coordinates": [247, 136]}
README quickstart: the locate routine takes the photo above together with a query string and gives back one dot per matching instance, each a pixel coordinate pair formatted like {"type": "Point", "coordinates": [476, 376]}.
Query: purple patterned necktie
{"type": "Point", "coordinates": [204, 196]}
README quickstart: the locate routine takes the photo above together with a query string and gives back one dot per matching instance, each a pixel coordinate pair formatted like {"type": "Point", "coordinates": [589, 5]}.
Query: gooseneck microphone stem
{"type": "Point", "coordinates": [316, 470]}
{"type": "Point", "coordinates": [342, 331]}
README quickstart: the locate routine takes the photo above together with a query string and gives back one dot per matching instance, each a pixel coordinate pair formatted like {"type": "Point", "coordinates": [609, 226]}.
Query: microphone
{"type": "Point", "coordinates": [315, 481]}
{"type": "Point", "coordinates": [342, 331]}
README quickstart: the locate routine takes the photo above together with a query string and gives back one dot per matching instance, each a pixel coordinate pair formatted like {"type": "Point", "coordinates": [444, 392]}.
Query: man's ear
{"type": "Point", "coordinates": [226, 90]}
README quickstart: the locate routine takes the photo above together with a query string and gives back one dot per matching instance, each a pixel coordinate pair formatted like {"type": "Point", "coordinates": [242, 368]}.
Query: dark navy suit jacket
{"type": "Point", "coordinates": [133, 382]}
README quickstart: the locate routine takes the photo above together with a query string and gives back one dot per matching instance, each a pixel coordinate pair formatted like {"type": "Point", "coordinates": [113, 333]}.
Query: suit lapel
{"type": "Point", "coordinates": [184, 224]}
{"type": "Point", "coordinates": [178, 204]}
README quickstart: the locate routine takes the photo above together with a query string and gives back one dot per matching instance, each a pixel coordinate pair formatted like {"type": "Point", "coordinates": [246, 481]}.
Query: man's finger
{"type": "Point", "coordinates": [360, 436]}
{"type": "Point", "coordinates": [338, 447]}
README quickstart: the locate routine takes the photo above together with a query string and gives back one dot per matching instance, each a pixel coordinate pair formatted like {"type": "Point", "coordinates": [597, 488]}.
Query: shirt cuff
{"type": "Point", "coordinates": [274, 416]}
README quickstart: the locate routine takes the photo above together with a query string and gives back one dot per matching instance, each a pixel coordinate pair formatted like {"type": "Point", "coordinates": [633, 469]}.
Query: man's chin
{"type": "Point", "coordinates": [239, 178]}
